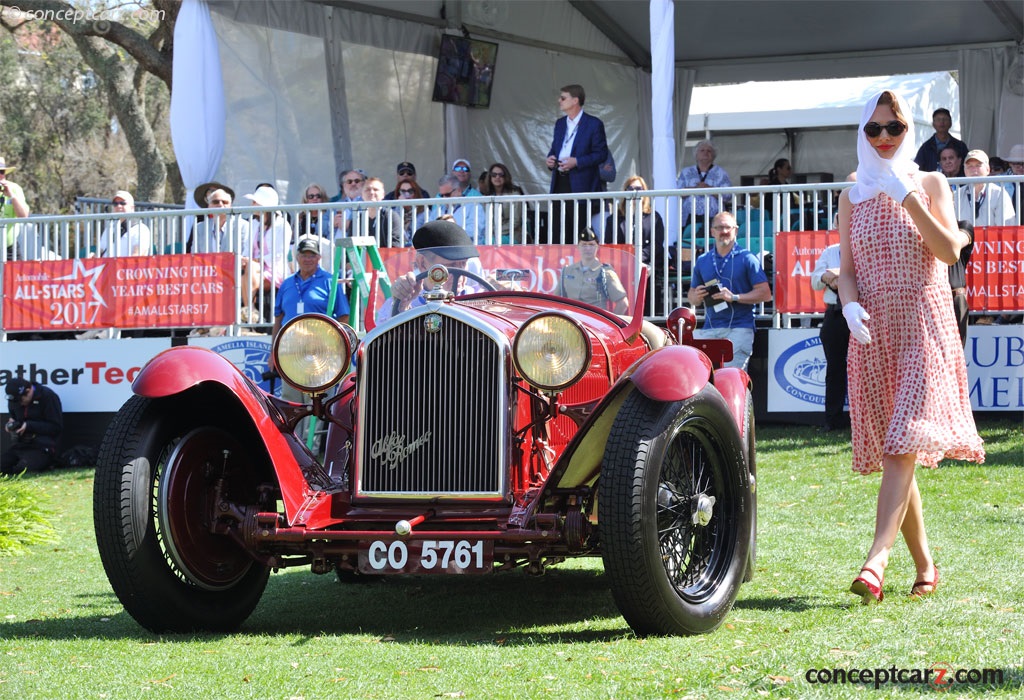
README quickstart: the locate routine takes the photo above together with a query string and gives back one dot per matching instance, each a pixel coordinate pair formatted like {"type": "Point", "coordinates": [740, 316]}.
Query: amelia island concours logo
{"type": "Point", "coordinates": [800, 371]}
{"type": "Point", "coordinates": [252, 357]}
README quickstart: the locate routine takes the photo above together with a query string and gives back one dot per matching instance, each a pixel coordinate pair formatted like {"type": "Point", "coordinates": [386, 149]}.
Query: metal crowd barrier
{"type": "Point", "coordinates": [616, 217]}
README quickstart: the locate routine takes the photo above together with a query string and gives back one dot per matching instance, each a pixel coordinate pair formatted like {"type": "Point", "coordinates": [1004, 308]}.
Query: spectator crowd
{"type": "Point", "coordinates": [580, 162]}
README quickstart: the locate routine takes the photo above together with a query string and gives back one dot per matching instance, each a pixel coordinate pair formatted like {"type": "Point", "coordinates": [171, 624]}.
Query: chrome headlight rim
{"type": "Point", "coordinates": [586, 352]}
{"type": "Point", "coordinates": [328, 325]}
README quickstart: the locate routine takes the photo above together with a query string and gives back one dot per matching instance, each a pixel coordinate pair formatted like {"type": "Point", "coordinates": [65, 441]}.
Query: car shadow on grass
{"type": "Point", "coordinates": [564, 605]}
{"type": "Point", "coordinates": [791, 604]}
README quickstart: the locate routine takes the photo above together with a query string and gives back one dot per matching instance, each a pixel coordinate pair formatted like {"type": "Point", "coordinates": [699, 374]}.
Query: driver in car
{"type": "Point", "coordinates": [437, 242]}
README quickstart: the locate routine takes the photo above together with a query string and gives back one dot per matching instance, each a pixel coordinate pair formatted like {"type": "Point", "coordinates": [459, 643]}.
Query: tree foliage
{"type": "Point", "coordinates": [79, 111]}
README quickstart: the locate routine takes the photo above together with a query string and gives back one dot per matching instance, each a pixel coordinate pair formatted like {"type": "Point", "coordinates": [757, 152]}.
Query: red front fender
{"type": "Point", "coordinates": [178, 369]}
{"type": "Point", "coordinates": [671, 373]}
{"type": "Point", "coordinates": [732, 383]}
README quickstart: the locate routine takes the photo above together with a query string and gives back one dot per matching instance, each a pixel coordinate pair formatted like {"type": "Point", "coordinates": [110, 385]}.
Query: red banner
{"type": "Point", "coordinates": [137, 292]}
{"type": "Point", "coordinates": [995, 274]}
{"type": "Point", "coordinates": [536, 268]}
{"type": "Point", "coordinates": [796, 253]}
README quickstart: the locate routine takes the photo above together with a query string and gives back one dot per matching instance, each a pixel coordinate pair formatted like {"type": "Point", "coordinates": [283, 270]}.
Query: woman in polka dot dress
{"type": "Point", "coordinates": [909, 400]}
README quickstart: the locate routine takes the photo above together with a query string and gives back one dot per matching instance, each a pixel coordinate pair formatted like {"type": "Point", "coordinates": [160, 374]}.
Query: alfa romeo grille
{"type": "Point", "coordinates": [433, 398]}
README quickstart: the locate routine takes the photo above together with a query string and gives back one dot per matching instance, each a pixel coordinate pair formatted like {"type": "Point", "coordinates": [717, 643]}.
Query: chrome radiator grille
{"type": "Point", "coordinates": [433, 410]}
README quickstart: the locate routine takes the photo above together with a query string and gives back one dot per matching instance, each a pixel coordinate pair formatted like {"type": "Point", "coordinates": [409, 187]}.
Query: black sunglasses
{"type": "Point", "coordinates": [874, 129]}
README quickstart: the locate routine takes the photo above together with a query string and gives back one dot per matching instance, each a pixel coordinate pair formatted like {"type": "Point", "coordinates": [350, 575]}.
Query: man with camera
{"type": "Point", "coordinates": [729, 281]}
{"type": "Point", "coordinates": [34, 424]}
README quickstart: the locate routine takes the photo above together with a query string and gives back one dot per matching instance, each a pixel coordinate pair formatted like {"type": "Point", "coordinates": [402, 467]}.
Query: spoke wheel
{"type": "Point", "coordinates": [674, 513]}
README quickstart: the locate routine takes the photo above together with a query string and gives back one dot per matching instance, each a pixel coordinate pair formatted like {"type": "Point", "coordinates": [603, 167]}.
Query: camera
{"type": "Point", "coordinates": [12, 425]}
{"type": "Point", "coordinates": [712, 288]}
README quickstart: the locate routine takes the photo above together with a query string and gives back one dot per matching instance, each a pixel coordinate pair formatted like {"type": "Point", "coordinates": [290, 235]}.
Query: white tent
{"type": "Point", "coordinates": [312, 86]}
{"type": "Point", "coordinates": [810, 122]}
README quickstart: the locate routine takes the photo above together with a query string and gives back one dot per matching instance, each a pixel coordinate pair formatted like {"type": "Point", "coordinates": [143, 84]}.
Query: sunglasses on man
{"type": "Point", "coordinates": [461, 169]}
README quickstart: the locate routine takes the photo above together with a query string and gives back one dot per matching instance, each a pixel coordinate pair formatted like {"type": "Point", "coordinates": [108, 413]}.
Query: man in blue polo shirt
{"type": "Point", "coordinates": [305, 292]}
{"type": "Point", "coordinates": [729, 281]}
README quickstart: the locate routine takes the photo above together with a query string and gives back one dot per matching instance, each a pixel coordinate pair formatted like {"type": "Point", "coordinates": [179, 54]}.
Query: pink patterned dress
{"type": "Point", "coordinates": [908, 388]}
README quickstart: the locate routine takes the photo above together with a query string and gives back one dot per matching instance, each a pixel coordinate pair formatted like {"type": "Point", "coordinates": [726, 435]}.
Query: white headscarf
{"type": "Point", "coordinates": [872, 169]}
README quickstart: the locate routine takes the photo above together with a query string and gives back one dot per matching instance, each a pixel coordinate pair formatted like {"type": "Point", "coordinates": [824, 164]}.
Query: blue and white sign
{"type": "Point", "coordinates": [995, 369]}
{"type": "Point", "coordinates": [249, 353]}
{"type": "Point", "coordinates": [796, 371]}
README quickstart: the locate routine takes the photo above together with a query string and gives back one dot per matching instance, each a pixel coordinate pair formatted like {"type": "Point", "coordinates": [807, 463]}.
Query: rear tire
{"type": "Point", "coordinates": [151, 503]}
{"type": "Point", "coordinates": [665, 466]}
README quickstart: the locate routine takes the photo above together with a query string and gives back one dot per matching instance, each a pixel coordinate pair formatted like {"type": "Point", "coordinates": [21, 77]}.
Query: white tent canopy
{"type": "Point", "coordinates": [314, 86]}
{"type": "Point", "coordinates": [810, 104]}
{"type": "Point", "coordinates": [810, 122]}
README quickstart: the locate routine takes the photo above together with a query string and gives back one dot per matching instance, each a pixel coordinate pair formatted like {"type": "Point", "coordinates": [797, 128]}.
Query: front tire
{"type": "Point", "coordinates": [159, 468]}
{"type": "Point", "coordinates": [674, 512]}
{"type": "Point", "coordinates": [750, 451]}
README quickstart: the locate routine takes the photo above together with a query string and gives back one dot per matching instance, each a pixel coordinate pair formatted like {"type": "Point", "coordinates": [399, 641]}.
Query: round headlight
{"type": "Point", "coordinates": [551, 351]}
{"type": "Point", "coordinates": [312, 352]}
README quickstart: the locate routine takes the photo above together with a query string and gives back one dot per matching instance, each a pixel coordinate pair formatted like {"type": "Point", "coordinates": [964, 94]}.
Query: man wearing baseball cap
{"type": "Point", "coordinates": [125, 237]}
{"type": "Point", "coordinates": [308, 291]}
{"type": "Point", "coordinates": [34, 423]}
{"type": "Point", "coordinates": [463, 172]}
{"type": "Point", "coordinates": [12, 206]}
{"type": "Point", "coordinates": [983, 203]}
{"type": "Point", "coordinates": [406, 173]}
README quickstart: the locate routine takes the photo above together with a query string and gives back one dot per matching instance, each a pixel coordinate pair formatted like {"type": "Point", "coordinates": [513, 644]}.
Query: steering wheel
{"type": "Point", "coordinates": [455, 273]}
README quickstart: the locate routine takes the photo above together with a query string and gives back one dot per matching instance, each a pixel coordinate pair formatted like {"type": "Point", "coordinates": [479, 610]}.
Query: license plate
{"type": "Point", "coordinates": [427, 557]}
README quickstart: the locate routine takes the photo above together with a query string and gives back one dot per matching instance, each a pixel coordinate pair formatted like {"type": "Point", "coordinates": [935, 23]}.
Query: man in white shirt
{"type": "Point", "coordinates": [125, 237]}
{"type": "Point", "coordinates": [218, 232]}
{"type": "Point", "coordinates": [983, 203]}
{"type": "Point", "coordinates": [835, 338]}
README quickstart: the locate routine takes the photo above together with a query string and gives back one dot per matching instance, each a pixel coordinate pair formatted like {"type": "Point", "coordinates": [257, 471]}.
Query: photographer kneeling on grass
{"type": "Point", "coordinates": [34, 424]}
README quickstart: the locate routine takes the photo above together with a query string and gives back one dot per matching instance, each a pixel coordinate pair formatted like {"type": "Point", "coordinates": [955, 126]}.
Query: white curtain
{"type": "Point", "coordinates": [663, 53]}
{"type": "Point", "coordinates": [197, 101]}
{"type": "Point", "coordinates": [982, 85]}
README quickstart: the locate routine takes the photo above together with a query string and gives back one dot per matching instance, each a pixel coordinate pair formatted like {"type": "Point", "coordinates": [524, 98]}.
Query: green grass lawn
{"type": "Point", "coordinates": [64, 635]}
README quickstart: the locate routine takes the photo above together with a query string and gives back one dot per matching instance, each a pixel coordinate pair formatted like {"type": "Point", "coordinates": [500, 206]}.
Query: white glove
{"type": "Point", "coordinates": [898, 186]}
{"type": "Point", "coordinates": [855, 316]}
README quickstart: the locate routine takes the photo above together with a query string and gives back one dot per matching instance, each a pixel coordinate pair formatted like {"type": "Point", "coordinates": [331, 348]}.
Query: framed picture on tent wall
{"type": "Point", "coordinates": [465, 71]}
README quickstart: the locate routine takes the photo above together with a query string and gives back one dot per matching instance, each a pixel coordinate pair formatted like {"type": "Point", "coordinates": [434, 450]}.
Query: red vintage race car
{"type": "Point", "coordinates": [478, 433]}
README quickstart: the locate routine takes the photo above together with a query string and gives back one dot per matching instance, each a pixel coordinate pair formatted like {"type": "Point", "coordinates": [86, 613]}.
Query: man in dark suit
{"type": "Point", "coordinates": [574, 159]}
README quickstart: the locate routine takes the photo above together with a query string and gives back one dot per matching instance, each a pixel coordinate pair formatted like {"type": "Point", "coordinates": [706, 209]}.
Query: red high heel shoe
{"type": "Point", "coordinates": [919, 584]}
{"type": "Point", "coordinates": [869, 593]}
